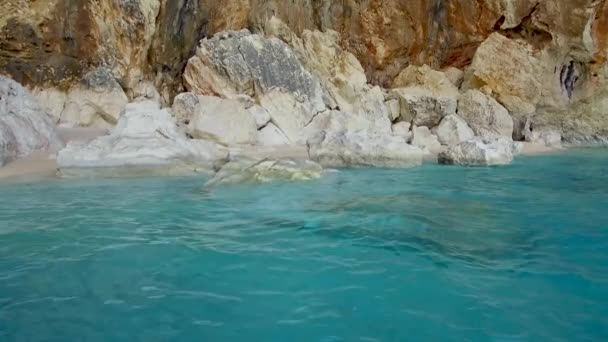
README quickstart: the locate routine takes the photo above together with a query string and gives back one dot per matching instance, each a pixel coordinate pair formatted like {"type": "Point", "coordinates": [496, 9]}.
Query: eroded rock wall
{"type": "Point", "coordinates": [55, 43]}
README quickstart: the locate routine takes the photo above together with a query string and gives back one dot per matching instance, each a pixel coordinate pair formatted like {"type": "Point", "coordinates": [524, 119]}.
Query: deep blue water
{"type": "Point", "coordinates": [518, 253]}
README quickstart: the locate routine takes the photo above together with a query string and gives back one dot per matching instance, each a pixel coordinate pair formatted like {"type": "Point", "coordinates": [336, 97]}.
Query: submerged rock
{"type": "Point", "coordinates": [146, 138]}
{"type": "Point", "coordinates": [266, 171]}
{"type": "Point", "coordinates": [24, 126]}
{"type": "Point", "coordinates": [479, 152]}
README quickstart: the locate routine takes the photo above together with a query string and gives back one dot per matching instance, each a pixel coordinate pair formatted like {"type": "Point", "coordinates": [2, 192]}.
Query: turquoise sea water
{"type": "Point", "coordinates": [429, 254]}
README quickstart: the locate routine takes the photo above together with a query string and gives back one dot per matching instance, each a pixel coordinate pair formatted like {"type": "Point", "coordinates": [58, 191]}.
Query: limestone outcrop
{"type": "Point", "coordinates": [222, 120]}
{"type": "Point", "coordinates": [479, 152]}
{"type": "Point", "coordinates": [453, 130]}
{"type": "Point", "coordinates": [24, 126]}
{"type": "Point", "coordinates": [273, 73]}
{"type": "Point", "coordinates": [146, 139]}
{"type": "Point", "coordinates": [485, 115]}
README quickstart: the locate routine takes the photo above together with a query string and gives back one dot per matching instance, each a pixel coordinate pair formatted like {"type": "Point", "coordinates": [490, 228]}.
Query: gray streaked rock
{"type": "Point", "coordinates": [24, 126]}
{"type": "Point", "coordinates": [271, 135]}
{"type": "Point", "coordinates": [423, 107]}
{"type": "Point", "coordinates": [479, 152]}
{"type": "Point", "coordinates": [485, 115]}
{"type": "Point", "coordinates": [184, 107]}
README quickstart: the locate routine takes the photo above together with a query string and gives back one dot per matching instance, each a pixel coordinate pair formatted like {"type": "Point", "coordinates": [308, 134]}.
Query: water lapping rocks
{"type": "Point", "coordinates": [276, 86]}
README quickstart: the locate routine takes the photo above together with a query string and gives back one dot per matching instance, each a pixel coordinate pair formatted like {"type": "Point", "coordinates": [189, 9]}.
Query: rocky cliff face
{"type": "Point", "coordinates": [558, 48]}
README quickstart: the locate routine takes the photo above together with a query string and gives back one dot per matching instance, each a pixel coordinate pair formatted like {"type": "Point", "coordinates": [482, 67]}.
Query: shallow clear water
{"type": "Point", "coordinates": [428, 254]}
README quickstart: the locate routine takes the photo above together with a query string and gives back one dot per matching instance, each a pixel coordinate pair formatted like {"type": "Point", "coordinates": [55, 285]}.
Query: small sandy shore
{"type": "Point", "coordinates": [41, 165]}
{"type": "Point", "coordinates": [535, 149]}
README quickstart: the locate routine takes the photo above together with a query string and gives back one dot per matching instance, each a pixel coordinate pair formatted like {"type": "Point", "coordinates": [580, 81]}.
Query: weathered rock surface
{"type": "Point", "coordinates": [97, 101]}
{"type": "Point", "coordinates": [222, 120]}
{"type": "Point", "coordinates": [145, 139]}
{"type": "Point", "coordinates": [424, 107]}
{"type": "Point", "coordinates": [485, 115]}
{"type": "Point", "coordinates": [24, 126]}
{"type": "Point", "coordinates": [548, 137]}
{"type": "Point", "coordinates": [266, 171]}
{"type": "Point", "coordinates": [479, 152]}
{"type": "Point", "coordinates": [426, 78]}
{"type": "Point", "coordinates": [184, 107]}
{"type": "Point", "coordinates": [453, 130]}
{"type": "Point", "coordinates": [546, 68]}
{"type": "Point", "coordinates": [233, 63]}
{"type": "Point", "coordinates": [423, 138]}
{"type": "Point", "coordinates": [271, 135]}
{"type": "Point", "coordinates": [362, 149]}
{"type": "Point", "coordinates": [403, 129]}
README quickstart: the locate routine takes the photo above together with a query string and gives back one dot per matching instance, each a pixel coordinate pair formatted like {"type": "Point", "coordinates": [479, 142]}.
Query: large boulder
{"type": "Point", "coordinates": [97, 101]}
{"type": "Point", "coordinates": [509, 67]}
{"type": "Point", "coordinates": [184, 107]}
{"type": "Point", "coordinates": [266, 171]}
{"type": "Point", "coordinates": [479, 152]}
{"type": "Point", "coordinates": [271, 135]}
{"type": "Point", "coordinates": [238, 62]}
{"type": "Point", "coordinates": [426, 140]}
{"type": "Point", "coordinates": [426, 78]}
{"type": "Point", "coordinates": [485, 115]}
{"type": "Point", "coordinates": [24, 126]}
{"type": "Point", "coordinates": [145, 139]}
{"type": "Point", "coordinates": [232, 64]}
{"type": "Point", "coordinates": [359, 149]}
{"type": "Point", "coordinates": [222, 120]}
{"type": "Point", "coordinates": [343, 143]}
{"type": "Point", "coordinates": [547, 137]}
{"type": "Point", "coordinates": [341, 75]}
{"type": "Point", "coordinates": [424, 107]}
{"type": "Point", "coordinates": [453, 130]}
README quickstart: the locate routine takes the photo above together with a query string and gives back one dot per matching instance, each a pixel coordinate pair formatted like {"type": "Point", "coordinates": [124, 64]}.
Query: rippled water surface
{"type": "Point", "coordinates": [429, 254]}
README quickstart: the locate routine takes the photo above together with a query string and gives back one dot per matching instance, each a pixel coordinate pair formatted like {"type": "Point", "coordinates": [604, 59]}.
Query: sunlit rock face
{"type": "Point", "coordinates": [52, 44]}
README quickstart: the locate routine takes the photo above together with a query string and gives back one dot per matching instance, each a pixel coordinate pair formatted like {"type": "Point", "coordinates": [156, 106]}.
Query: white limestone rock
{"type": "Point", "coordinates": [485, 115]}
{"type": "Point", "coordinates": [363, 149]}
{"type": "Point", "coordinates": [426, 140]}
{"type": "Point", "coordinates": [271, 135]}
{"type": "Point", "coordinates": [97, 101]}
{"type": "Point", "coordinates": [184, 107]}
{"type": "Point", "coordinates": [24, 126]}
{"type": "Point", "coordinates": [260, 115]}
{"type": "Point", "coordinates": [479, 152]}
{"type": "Point", "coordinates": [223, 121]}
{"type": "Point", "coordinates": [145, 138]}
{"type": "Point", "coordinates": [453, 130]}
{"type": "Point", "coordinates": [403, 129]}
{"type": "Point", "coordinates": [548, 137]}
{"type": "Point", "coordinates": [422, 107]}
